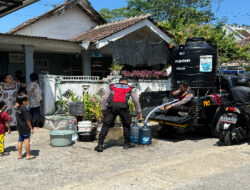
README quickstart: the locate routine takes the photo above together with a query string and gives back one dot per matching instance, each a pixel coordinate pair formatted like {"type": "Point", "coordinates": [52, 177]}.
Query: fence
{"type": "Point", "coordinates": [88, 84]}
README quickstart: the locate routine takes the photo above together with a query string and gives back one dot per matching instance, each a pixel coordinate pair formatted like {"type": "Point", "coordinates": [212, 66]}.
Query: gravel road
{"type": "Point", "coordinates": [186, 163]}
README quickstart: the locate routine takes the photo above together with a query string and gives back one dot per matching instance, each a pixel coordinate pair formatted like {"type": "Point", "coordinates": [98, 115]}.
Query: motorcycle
{"type": "Point", "coordinates": [233, 125]}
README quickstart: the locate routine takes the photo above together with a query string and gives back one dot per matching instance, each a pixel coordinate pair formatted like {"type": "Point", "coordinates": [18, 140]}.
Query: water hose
{"type": "Point", "coordinates": [163, 105]}
{"type": "Point", "coordinates": [58, 81]}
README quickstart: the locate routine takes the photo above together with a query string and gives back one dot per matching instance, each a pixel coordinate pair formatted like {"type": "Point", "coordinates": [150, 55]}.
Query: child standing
{"type": "Point", "coordinates": [24, 126]}
{"type": "Point", "coordinates": [4, 122]}
{"type": "Point", "coordinates": [35, 96]}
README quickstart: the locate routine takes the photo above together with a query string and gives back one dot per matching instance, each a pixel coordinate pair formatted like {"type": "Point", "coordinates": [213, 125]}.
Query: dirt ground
{"type": "Point", "coordinates": [189, 162]}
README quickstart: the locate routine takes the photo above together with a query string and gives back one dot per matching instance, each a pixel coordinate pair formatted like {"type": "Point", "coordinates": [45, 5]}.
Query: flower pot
{"type": "Point", "coordinates": [116, 73]}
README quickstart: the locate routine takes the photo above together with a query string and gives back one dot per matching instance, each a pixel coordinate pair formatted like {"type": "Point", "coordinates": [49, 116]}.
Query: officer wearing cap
{"type": "Point", "coordinates": [114, 103]}
{"type": "Point", "coordinates": [184, 94]}
{"type": "Point", "coordinates": [241, 93]}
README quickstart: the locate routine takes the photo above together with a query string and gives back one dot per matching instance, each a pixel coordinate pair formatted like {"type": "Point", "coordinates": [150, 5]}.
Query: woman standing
{"type": "Point", "coordinates": [8, 93]}
{"type": "Point", "coordinates": [35, 97]}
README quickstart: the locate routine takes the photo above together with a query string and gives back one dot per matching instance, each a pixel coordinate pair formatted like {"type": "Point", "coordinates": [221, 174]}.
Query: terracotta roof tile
{"type": "Point", "coordinates": [244, 42]}
{"type": "Point", "coordinates": [105, 30]}
{"type": "Point", "coordinates": [246, 34]}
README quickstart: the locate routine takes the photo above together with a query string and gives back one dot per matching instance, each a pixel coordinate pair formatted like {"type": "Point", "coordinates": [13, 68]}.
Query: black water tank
{"type": "Point", "coordinates": [195, 62]}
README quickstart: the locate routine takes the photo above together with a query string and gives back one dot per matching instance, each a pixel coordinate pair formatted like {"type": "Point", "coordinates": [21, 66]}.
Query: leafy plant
{"type": "Point", "coordinates": [144, 74]}
{"type": "Point", "coordinates": [115, 67]}
{"type": "Point", "coordinates": [97, 110]}
{"type": "Point", "coordinates": [131, 106]}
{"type": "Point", "coordinates": [92, 107]}
{"type": "Point", "coordinates": [74, 98]}
{"type": "Point", "coordinates": [62, 105]}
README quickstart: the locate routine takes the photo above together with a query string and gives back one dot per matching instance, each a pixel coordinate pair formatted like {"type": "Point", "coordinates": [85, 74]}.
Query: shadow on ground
{"type": "Point", "coordinates": [10, 149]}
{"type": "Point", "coordinates": [113, 142]}
{"type": "Point", "coordinates": [172, 135]}
{"type": "Point", "coordinates": [33, 152]}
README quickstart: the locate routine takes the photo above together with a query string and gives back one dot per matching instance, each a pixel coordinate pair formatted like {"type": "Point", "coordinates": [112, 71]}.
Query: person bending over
{"type": "Point", "coordinates": [114, 103]}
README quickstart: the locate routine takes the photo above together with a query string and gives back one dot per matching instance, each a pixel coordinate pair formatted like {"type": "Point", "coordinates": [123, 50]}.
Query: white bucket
{"type": "Point", "coordinates": [84, 126]}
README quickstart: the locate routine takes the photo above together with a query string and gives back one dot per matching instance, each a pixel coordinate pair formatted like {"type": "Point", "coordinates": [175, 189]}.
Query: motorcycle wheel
{"type": "Point", "coordinates": [228, 138]}
{"type": "Point", "coordinates": [215, 132]}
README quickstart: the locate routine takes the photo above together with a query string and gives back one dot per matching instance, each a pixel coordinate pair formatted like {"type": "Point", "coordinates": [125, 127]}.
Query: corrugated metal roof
{"type": "Point", "coordinates": [34, 37]}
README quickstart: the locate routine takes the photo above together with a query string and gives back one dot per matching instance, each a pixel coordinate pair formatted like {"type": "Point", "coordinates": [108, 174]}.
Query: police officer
{"type": "Point", "coordinates": [114, 103]}
{"type": "Point", "coordinates": [184, 94]}
{"type": "Point", "coordinates": [241, 93]}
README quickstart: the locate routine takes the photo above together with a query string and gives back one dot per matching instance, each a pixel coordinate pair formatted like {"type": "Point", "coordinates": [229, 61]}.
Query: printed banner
{"type": "Point", "coordinates": [206, 63]}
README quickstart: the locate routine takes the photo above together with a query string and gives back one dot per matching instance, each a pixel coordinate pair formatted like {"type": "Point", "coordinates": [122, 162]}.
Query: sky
{"type": "Point", "coordinates": [236, 11]}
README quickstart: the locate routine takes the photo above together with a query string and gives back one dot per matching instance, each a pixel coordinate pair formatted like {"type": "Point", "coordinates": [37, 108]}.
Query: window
{"type": "Point", "coordinates": [41, 63]}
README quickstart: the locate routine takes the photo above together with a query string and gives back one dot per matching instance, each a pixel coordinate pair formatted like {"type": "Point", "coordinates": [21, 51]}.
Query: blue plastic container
{"type": "Point", "coordinates": [145, 135]}
{"type": "Point", "coordinates": [134, 133]}
{"type": "Point", "coordinates": [71, 126]}
{"type": "Point", "coordinates": [60, 138]}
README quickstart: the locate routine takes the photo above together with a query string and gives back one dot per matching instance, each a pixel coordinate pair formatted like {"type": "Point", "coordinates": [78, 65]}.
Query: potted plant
{"type": "Point", "coordinates": [62, 106]}
{"type": "Point", "coordinates": [115, 68]}
{"type": "Point", "coordinates": [76, 105]}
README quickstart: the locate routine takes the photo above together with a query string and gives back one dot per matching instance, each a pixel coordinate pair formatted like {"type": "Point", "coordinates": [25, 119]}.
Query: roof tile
{"type": "Point", "coordinates": [105, 30]}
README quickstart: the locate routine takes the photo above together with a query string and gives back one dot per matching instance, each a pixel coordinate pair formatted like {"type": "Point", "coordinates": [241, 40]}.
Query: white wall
{"type": "Point", "coordinates": [67, 25]}
{"type": "Point", "coordinates": [51, 91]}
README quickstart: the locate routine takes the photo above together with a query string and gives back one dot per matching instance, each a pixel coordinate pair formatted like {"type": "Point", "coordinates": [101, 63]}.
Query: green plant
{"type": "Point", "coordinates": [131, 106]}
{"type": "Point", "coordinates": [62, 105]}
{"type": "Point", "coordinates": [97, 110]}
{"type": "Point", "coordinates": [115, 67]}
{"type": "Point", "coordinates": [74, 98]}
{"type": "Point", "coordinates": [92, 107]}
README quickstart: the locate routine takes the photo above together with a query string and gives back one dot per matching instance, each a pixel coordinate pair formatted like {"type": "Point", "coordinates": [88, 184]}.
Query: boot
{"type": "Point", "coordinates": [99, 147]}
{"type": "Point", "coordinates": [128, 145]}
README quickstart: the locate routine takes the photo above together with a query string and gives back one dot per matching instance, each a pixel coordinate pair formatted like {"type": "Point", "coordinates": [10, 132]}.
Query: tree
{"type": "Point", "coordinates": [184, 19]}
{"type": "Point", "coordinates": [161, 10]}
{"type": "Point", "coordinates": [228, 50]}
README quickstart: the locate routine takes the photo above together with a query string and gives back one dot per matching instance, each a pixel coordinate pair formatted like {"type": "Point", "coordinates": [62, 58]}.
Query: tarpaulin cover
{"type": "Point", "coordinates": [129, 52]}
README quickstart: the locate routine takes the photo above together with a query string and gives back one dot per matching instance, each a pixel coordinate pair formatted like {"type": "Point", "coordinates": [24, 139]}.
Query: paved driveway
{"type": "Point", "coordinates": [184, 164]}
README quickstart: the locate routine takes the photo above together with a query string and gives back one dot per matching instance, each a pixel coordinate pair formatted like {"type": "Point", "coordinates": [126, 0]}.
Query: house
{"type": "Point", "coordinates": [75, 42]}
{"type": "Point", "coordinates": [66, 39]}
{"type": "Point", "coordinates": [240, 33]}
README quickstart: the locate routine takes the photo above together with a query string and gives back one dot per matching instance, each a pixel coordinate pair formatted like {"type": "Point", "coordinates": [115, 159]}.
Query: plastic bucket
{"type": "Point", "coordinates": [87, 136]}
{"type": "Point", "coordinates": [61, 138]}
{"type": "Point", "coordinates": [85, 126]}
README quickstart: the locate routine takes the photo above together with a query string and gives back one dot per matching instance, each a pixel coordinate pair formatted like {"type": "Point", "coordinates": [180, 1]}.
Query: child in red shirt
{"type": "Point", "coordinates": [4, 122]}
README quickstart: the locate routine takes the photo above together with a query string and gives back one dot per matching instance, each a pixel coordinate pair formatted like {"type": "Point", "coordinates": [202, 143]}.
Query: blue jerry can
{"type": "Point", "coordinates": [145, 135]}
{"type": "Point", "coordinates": [134, 133]}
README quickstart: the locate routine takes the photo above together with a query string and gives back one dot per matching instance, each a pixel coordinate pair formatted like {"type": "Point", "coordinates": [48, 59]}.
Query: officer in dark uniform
{"type": "Point", "coordinates": [184, 94]}
{"type": "Point", "coordinates": [114, 103]}
{"type": "Point", "coordinates": [241, 93]}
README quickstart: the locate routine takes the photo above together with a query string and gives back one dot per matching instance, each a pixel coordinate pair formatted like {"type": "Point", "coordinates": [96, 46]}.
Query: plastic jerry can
{"type": "Point", "coordinates": [71, 126]}
{"type": "Point", "coordinates": [145, 135]}
{"type": "Point", "coordinates": [134, 133]}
